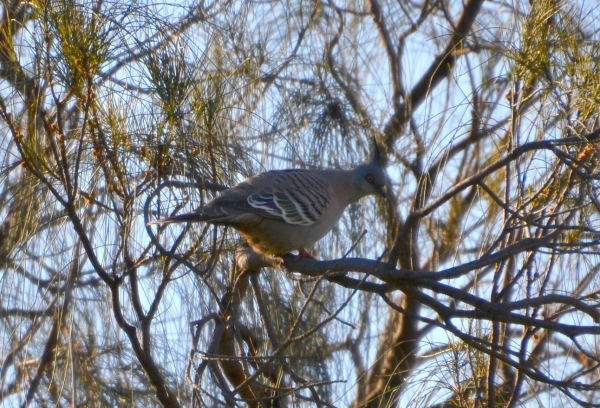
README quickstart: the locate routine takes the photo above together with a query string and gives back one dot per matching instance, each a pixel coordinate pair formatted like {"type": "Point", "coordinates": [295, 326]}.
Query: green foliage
{"type": "Point", "coordinates": [83, 41]}
{"type": "Point", "coordinates": [557, 56]}
{"type": "Point", "coordinates": [170, 76]}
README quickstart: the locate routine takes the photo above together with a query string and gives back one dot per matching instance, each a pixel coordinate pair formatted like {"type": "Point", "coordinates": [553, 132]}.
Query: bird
{"type": "Point", "coordinates": [283, 211]}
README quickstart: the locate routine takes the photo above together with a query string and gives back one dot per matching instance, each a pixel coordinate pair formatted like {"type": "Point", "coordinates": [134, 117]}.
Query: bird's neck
{"type": "Point", "coordinates": [345, 185]}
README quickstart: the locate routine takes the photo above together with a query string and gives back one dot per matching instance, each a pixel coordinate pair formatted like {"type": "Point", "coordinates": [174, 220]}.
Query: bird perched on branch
{"type": "Point", "coordinates": [281, 211]}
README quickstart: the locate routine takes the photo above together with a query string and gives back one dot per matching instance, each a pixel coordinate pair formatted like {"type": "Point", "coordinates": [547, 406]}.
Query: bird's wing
{"type": "Point", "coordinates": [297, 197]}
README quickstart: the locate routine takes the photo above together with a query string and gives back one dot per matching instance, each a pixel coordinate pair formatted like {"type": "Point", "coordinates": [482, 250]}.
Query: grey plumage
{"type": "Point", "coordinates": [285, 210]}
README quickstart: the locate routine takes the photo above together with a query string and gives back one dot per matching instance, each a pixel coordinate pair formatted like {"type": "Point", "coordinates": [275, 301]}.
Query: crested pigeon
{"type": "Point", "coordinates": [281, 211]}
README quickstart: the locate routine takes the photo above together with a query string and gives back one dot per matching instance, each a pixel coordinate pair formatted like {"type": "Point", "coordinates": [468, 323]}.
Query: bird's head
{"type": "Point", "coordinates": [370, 176]}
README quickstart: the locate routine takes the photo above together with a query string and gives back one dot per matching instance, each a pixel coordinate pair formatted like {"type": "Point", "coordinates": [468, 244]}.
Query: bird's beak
{"type": "Point", "coordinates": [382, 191]}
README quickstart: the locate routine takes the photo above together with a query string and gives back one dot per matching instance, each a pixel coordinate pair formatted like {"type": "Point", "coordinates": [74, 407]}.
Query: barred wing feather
{"type": "Point", "coordinates": [298, 197]}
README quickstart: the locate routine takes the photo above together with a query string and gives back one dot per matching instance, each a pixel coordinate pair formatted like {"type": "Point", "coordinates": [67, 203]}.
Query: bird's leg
{"type": "Point", "coordinates": [303, 253]}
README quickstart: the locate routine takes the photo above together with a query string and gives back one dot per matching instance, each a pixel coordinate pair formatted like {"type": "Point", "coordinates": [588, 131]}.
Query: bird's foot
{"type": "Point", "coordinates": [303, 253]}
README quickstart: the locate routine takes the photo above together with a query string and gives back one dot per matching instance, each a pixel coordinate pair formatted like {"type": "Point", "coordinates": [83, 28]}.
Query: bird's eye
{"type": "Point", "coordinates": [370, 179]}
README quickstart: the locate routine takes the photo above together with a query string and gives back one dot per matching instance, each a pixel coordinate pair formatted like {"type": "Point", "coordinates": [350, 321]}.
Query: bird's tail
{"type": "Point", "coordinates": [188, 217]}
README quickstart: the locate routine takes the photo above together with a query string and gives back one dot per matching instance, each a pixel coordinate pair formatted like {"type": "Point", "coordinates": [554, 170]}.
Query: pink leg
{"type": "Point", "coordinates": [303, 253]}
